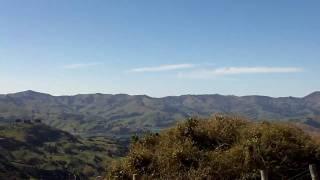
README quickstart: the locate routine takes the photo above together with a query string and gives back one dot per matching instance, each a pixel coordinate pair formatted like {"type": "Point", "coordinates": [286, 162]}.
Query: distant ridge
{"type": "Point", "coordinates": [314, 95]}
{"type": "Point", "coordinates": [122, 114]}
{"type": "Point", "coordinates": [32, 92]}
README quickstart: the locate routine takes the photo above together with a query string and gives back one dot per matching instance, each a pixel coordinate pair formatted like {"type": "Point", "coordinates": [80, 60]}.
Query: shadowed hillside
{"type": "Point", "coordinates": [103, 114]}
{"type": "Point", "coordinates": [42, 152]}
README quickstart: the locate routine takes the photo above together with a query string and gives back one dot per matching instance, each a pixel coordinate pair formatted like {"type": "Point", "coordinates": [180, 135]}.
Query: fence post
{"type": "Point", "coordinates": [135, 177]}
{"type": "Point", "coordinates": [313, 172]}
{"type": "Point", "coordinates": [264, 174]}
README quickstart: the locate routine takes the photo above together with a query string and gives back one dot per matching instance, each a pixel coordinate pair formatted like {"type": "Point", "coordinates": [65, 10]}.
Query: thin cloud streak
{"type": "Point", "coordinates": [169, 67]}
{"type": "Point", "coordinates": [254, 70]}
{"type": "Point", "coordinates": [80, 65]}
{"type": "Point", "coordinates": [209, 73]}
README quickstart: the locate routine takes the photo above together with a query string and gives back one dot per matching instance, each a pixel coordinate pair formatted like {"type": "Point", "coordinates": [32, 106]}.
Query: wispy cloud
{"type": "Point", "coordinates": [209, 73]}
{"type": "Point", "coordinates": [169, 67]}
{"type": "Point", "coordinates": [80, 65]}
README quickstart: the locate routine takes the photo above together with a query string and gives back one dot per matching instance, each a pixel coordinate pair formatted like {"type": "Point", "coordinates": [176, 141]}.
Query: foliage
{"type": "Point", "coordinates": [222, 147]}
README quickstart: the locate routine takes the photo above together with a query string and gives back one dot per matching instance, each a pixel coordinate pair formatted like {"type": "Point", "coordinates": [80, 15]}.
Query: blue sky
{"type": "Point", "coordinates": [160, 48]}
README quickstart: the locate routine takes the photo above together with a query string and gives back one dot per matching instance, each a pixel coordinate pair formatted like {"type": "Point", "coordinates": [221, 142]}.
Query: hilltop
{"type": "Point", "coordinates": [43, 152]}
{"type": "Point", "coordinates": [121, 114]}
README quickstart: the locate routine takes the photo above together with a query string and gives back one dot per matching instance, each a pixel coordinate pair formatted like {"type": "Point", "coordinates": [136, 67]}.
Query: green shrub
{"type": "Point", "coordinates": [221, 147]}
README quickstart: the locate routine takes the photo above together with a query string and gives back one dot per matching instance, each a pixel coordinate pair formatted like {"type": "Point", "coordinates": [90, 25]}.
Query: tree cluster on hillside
{"type": "Point", "coordinates": [220, 147]}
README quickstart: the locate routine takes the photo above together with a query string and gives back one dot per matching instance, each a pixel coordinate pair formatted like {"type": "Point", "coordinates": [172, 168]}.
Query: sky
{"type": "Point", "coordinates": [160, 48]}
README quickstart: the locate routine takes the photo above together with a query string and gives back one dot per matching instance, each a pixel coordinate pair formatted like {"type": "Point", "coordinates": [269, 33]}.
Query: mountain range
{"type": "Point", "coordinates": [122, 114]}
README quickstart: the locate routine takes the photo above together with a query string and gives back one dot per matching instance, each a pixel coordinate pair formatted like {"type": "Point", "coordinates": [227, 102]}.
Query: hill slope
{"type": "Point", "coordinates": [42, 152]}
{"type": "Point", "coordinates": [104, 114]}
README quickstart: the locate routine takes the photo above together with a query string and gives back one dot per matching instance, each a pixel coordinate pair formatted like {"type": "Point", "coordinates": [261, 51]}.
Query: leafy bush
{"type": "Point", "coordinates": [222, 147]}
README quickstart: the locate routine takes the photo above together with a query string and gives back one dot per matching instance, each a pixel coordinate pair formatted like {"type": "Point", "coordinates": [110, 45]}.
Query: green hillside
{"type": "Point", "coordinates": [42, 152]}
{"type": "Point", "coordinates": [124, 115]}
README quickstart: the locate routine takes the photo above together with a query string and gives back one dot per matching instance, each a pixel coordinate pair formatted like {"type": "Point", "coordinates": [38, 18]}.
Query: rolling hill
{"type": "Point", "coordinates": [37, 151]}
{"type": "Point", "coordinates": [121, 114]}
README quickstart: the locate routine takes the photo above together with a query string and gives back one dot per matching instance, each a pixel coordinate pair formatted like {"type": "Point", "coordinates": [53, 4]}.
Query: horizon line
{"type": "Point", "coordinates": [113, 94]}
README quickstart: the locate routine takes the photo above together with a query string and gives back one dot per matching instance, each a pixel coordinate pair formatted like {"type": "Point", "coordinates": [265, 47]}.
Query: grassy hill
{"type": "Point", "coordinates": [42, 152]}
{"type": "Point", "coordinates": [104, 114]}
